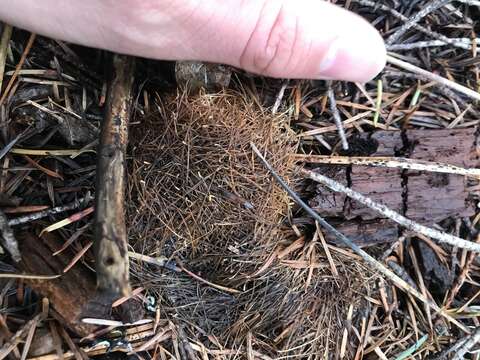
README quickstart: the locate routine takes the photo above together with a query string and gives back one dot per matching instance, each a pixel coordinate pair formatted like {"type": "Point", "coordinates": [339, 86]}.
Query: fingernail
{"type": "Point", "coordinates": [353, 58]}
{"type": "Point", "coordinates": [329, 59]}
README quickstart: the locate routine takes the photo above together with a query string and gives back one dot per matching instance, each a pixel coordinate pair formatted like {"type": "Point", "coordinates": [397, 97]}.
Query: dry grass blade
{"type": "Point", "coordinates": [28, 342]}
{"type": "Point", "coordinates": [69, 220]}
{"type": "Point", "coordinates": [28, 276]}
{"type": "Point", "coordinates": [25, 209]}
{"type": "Point", "coordinates": [209, 283]}
{"type": "Point", "coordinates": [42, 152]}
{"type": "Point", "coordinates": [78, 256]}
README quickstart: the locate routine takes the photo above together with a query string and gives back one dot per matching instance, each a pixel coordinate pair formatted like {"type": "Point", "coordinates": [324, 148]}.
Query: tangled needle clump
{"type": "Point", "coordinates": [198, 193]}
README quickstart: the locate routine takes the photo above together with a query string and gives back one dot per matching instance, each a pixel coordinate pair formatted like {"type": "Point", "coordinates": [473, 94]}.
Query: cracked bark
{"type": "Point", "coordinates": [69, 293]}
{"type": "Point", "coordinates": [421, 196]}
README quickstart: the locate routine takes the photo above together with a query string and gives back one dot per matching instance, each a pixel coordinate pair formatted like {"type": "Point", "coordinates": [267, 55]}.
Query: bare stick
{"type": "Point", "coordinates": [8, 239]}
{"type": "Point", "coordinates": [470, 2]}
{"type": "Point", "coordinates": [389, 162]}
{"type": "Point", "coordinates": [6, 35]}
{"type": "Point", "coordinates": [432, 6]}
{"type": "Point", "coordinates": [41, 214]}
{"type": "Point", "coordinates": [469, 343]}
{"type": "Point", "coordinates": [431, 43]}
{"type": "Point", "coordinates": [336, 116]}
{"type": "Point", "coordinates": [279, 98]}
{"type": "Point", "coordinates": [434, 77]}
{"type": "Point", "coordinates": [110, 231]}
{"type": "Point", "coordinates": [376, 5]}
{"type": "Point", "coordinates": [460, 348]}
{"type": "Point", "coordinates": [389, 274]}
{"type": "Point", "coordinates": [19, 335]}
{"type": "Point", "coordinates": [392, 215]}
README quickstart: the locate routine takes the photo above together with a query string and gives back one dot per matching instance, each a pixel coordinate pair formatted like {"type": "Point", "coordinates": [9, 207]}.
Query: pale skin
{"type": "Point", "coordinates": [309, 39]}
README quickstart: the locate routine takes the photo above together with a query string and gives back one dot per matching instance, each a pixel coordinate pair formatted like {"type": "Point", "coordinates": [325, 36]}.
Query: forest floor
{"type": "Point", "coordinates": [224, 264]}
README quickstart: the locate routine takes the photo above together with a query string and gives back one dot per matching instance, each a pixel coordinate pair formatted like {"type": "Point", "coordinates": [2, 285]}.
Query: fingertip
{"type": "Point", "coordinates": [358, 53]}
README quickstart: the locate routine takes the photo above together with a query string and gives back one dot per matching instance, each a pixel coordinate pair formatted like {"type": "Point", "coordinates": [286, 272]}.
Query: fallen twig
{"type": "Point", "coordinates": [467, 345]}
{"type": "Point", "coordinates": [432, 6]}
{"type": "Point", "coordinates": [430, 43]}
{"type": "Point", "coordinates": [41, 214]}
{"type": "Point", "coordinates": [279, 98]}
{"type": "Point", "coordinates": [434, 77]}
{"type": "Point", "coordinates": [376, 5]}
{"type": "Point", "coordinates": [460, 348]}
{"type": "Point", "coordinates": [336, 116]}
{"type": "Point", "coordinates": [110, 233]}
{"type": "Point", "coordinates": [389, 162]}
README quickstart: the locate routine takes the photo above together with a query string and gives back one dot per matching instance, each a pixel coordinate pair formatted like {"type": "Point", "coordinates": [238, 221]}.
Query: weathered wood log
{"type": "Point", "coordinates": [69, 293]}
{"type": "Point", "coordinates": [366, 233]}
{"type": "Point", "coordinates": [433, 197]}
{"type": "Point", "coordinates": [110, 243]}
{"type": "Point", "coordinates": [381, 185]}
{"type": "Point", "coordinates": [328, 202]}
{"type": "Point", "coordinates": [425, 197]}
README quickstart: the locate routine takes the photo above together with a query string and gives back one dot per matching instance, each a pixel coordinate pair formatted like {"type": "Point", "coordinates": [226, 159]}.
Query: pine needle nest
{"type": "Point", "coordinates": [198, 194]}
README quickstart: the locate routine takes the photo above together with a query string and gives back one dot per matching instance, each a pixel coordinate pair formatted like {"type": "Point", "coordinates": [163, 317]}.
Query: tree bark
{"type": "Point", "coordinates": [69, 293]}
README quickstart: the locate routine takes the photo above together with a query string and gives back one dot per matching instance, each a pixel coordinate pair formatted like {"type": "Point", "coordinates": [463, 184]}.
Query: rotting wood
{"type": "Point", "coordinates": [440, 236]}
{"type": "Point", "coordinates": [366, 233]}
{"type": "Point", "coordinates": [110, 241]}
{"type": "Point", "coordinates": [68, 293]}
{"type": "Point", "coordinates": [423, 196]}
